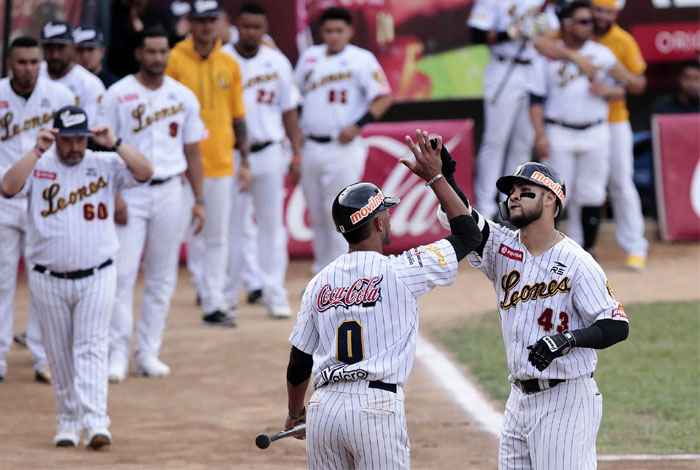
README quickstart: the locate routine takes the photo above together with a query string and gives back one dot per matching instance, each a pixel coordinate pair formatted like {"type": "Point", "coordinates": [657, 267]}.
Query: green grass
{"type": "Point", "coordinates": [650, 383]}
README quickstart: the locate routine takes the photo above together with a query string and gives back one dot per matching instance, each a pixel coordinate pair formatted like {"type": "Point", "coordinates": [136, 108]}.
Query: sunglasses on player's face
{"type": "Point", "coordinates": [584, 21]}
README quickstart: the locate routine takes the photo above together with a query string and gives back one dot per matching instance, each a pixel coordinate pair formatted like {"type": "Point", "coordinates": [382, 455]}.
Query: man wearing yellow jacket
{"type": "Point", "coordinates": [629, 72]}
{"type": "Point", "coordinates": [199, 64]}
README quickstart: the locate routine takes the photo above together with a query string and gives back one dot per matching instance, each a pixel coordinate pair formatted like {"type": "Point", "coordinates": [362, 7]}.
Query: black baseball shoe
{"type": "Point", "coordinates": [21, 338]}
{"type": "Point", "coordinates": [254, 296]}
{"type": "Point", "coordinates": [219, 318]}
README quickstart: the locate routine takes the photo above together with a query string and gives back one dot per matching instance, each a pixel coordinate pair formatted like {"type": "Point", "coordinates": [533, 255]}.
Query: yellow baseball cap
{"type": "Point", "coordinates": [605, 3]}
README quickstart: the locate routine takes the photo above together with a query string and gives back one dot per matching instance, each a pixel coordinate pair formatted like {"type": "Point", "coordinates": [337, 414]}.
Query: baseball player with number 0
{"type": "Point", "coordinates": [344, 88]}
{"type": "Point", "coordinates": [27, 105]}
{"type": "Point", "coordinates": [555, 307]}
{"type": "Point", "coordinates": [71, 246]}
{"type": "Point", "coordinates": [358, 324]}
{"type": "Point", "coordinates": [160, 117]}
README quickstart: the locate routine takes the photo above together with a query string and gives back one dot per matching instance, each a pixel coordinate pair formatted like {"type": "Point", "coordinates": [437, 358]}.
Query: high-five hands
{"type": "Point", "coordinates": [427, 163]}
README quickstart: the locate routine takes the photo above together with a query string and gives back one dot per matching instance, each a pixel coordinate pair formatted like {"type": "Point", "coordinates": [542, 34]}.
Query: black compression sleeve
{"type": "Point", "coordinates": [465, 235]}
{"type": "Point", "coordinates": [601, 334]}
{"type": "Point", "coordinates": [451, 181]}
{"type": "Point", "coordinates": [485, 230]}
{"type": "Point", "coordinates": [299, 368]}
{"type": "Point", "coordinates": [479, 36]}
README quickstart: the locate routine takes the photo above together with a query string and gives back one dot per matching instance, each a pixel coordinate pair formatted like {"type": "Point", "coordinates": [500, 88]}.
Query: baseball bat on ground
{"type": "Point", "coordinates": [263, 441]}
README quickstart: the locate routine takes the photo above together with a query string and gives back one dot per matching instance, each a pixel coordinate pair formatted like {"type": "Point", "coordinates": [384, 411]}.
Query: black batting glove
{"type": "Point", "coordinates": [548, 348]}
{"type": "Point", "coordinates": [448, 163]}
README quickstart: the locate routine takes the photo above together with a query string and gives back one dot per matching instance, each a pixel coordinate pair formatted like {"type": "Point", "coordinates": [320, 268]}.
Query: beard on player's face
{"type": "Point", "coordinates": [56, 66]}
{"type": "Point", "coordinates": [525, 216]}
{"type": "Point", "coordinates": [71, 149]}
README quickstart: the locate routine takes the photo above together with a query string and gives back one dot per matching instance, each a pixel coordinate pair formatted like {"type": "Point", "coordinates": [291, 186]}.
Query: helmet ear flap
{"type": "Point", "coordinates": [504, 210]}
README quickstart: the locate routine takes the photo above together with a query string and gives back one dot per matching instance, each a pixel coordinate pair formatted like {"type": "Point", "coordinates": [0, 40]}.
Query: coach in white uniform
{"type": "Point", "coordinates": [555, 307]}
{"type": "Point", "coordinates": [71, 246]}
{"type": "Point", "coordinates": [159, 117]}
{"type": "Point", "coordinates": [358, 325]}
{"type": "Point", "coordinates": [59, 65]}
{"type": "Point", "coordinates": [27, 104]}
{"type": "Point", "coordinates": [343, 87]}
{"type": "Point", "coordinates": [271, 99]}
{"type": "Point", "coordinates": [569, 113]}
{"type": "Point", "coordinates": [507, 27]}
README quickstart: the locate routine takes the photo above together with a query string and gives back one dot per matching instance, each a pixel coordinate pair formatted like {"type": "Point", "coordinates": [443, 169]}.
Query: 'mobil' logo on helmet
{"type": "Point", "coordinates": [551, 184]}
{"type": "Point", "coordinates": [372, 204]}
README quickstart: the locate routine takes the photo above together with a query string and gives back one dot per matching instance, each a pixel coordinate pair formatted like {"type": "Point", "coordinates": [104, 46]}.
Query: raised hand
{"type": "Point", "coordinates": [427, 163]}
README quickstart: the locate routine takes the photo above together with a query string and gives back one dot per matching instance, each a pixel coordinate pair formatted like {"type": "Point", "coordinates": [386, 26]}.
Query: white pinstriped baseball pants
{"type": "Point", "coordinates": [153, 217]}
{"type": "Point", "coordinates": [74, 317]}
{"type": "Point", "coordinates": [10, 248]}
{"type": "Point", "coordinates": [347, 429]}
{"type": "Point", "coordinates": [325, 170]}
{"type": "Point", "coordinates": [552, 429]}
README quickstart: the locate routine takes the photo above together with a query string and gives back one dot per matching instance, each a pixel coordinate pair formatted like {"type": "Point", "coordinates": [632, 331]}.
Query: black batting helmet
{"type": "Point", "coordinates": [355, 205]}
{"type": "Point", "coordinates": [537, 173]}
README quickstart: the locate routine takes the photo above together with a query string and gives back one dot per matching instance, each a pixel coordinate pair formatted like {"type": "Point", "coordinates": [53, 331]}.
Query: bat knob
{"type": "Point", "coordinates": [262, 441]}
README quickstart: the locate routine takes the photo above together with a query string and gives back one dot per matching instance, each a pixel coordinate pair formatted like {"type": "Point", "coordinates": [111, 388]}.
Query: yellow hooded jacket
{"type": "Point", "coordinates": [216, 81]}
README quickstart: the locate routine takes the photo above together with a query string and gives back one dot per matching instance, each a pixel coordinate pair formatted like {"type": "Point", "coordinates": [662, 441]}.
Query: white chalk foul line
{"type": "Point", "coordinates": [474, 403]}
{"type": "Point", "coordinates": [463, 392]}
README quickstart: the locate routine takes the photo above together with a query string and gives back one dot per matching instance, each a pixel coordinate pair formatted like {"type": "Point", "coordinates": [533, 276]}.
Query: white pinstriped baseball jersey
{"type": "Point", "coordinates": [563, 288]}
{"type": "Point", "coordinates": [268, 91]}
{"type": "Point", "coordinates": [567, 88]}
{"type": "Point", "coordinates": [359, 315]}
{"type": "Point", "coordinates": [155, 122]}
{"type": "Point", "coordinates": [338, 88]}
{"type": "Point", "coordinates": [20, 121]}
{"type": "Point", "coordinates": [87, 88]}
{"type": "Point", "coordinates": [71, 209]}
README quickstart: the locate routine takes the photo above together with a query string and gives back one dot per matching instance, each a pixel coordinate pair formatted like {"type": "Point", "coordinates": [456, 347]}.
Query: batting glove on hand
{"type": "Point", "coordinates": [548, 348]}
{"type": "Point", "coordinates": [448, 163]}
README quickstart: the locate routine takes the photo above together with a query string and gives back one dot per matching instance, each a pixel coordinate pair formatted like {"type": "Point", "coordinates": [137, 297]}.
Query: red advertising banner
{"type": "Point", "coordinates": [413, 222]}
{"type": "Point", "coordinates": [677, 175]}
{"type": "Point", "coordinates": [668, 42]}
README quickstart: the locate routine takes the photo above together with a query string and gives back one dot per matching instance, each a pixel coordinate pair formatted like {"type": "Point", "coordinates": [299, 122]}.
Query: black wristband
{"type": "Point", "coordinates": [366, 119]}
{"type": "Point", "coordinates": [116, 144]}
{"type": "Point", "coordinates": [297, 418]}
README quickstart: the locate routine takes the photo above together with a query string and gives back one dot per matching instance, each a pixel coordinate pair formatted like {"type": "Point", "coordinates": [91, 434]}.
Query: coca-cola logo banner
{"type": "Point", "coordinates": [413, 222]}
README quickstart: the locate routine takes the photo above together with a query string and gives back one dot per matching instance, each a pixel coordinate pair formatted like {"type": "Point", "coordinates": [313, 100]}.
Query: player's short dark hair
{"type": "Point", "coordinates": [252, 8]}
{"type": "Point", "coordinates": [152, 32]}
{"type": "Point", "coordinates": [567, 11]}
{"type": "Point", "coordinates": [337, 13]}
{"type": "Point", "coordinates": [23, 41]}
{"type": "Point", "coordinates": [689, 64]}
{"type": "Point", "coordinates": [360, 233]}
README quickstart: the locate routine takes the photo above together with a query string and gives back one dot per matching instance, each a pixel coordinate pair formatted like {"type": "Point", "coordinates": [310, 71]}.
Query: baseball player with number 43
{"type": "Point", "coordinates": [555, 307]}
{"type": "Point", "coordinates": [358, 324]}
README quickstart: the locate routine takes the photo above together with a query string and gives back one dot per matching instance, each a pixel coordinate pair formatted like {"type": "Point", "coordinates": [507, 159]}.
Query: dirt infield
{"type": "Point", "coordinates": [228, 385]}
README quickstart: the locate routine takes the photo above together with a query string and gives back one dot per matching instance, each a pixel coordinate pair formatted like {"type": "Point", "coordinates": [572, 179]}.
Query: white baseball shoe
{"type": "Point", "coordinates": [118, 370]}
{"type": "Point", "coordinates": [151, 367]}
{"type": "Point", "coordinates": [279, 311]}
{"type": "Point", "coordinates": [66, 438]}
{"type": "Point", "coordinates": [97, 438]}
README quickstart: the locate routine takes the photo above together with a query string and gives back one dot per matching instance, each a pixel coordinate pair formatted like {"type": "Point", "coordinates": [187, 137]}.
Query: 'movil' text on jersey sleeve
{"type": "Point", "coordinates": [156, 122]}
{"type": "Point", "coordinates": [359, 316]}
{"type": "Point", "coordinates": [567, 89]}
{"type": "Point", "coordinates": [71, 223]}
{"type": "Point", "coordinates": [269, 90]}
{"type": "Point", "coordinates": [20, 121]}
{"type": "Point", "coordinates": [562, 289]}
{"type": "Point", "coordinates": [338, 88]}
{"type": "Point", "coordinates": [87, 88]}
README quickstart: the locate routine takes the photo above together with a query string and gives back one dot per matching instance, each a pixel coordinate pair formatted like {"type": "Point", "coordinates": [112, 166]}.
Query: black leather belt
{"type": "Point", "coordinates": [258, 147]}
{"type": "Point", "coordinates": [321, 139]}
{"type": "Point", "coordinates": [72, 274]}
{"type": "Point", "coordinates": [382, 386]}
{"type": "Point", "coordinates": [578, 127]}
{"type": "Point", "coordinates": [157, 181]}
{"type": "Point", "coordinates": [516, 60]}
{"type": "Point", "coordinates": [533, 385]}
